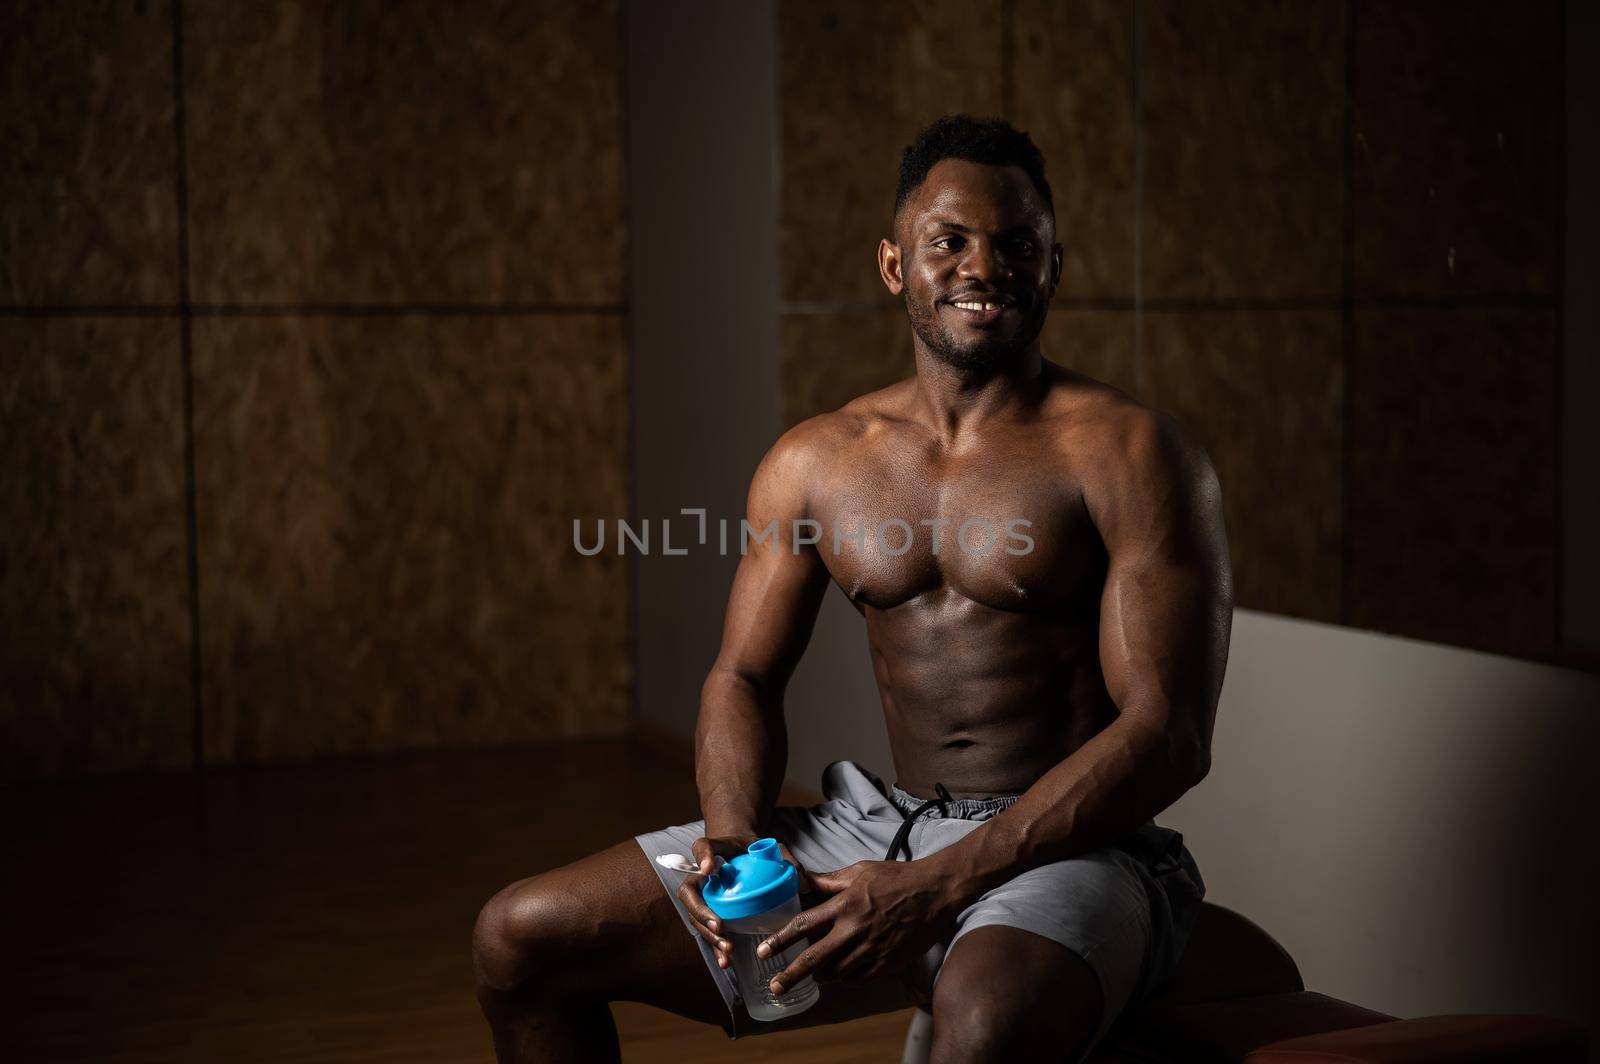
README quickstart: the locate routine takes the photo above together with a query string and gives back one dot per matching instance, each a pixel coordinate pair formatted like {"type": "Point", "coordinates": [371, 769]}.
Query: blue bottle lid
{"type": "Point", "coordinates": [753, 882]}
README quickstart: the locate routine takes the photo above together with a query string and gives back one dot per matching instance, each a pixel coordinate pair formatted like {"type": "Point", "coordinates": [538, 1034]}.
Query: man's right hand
{"type": "Point", "coordinates": [704, 852]}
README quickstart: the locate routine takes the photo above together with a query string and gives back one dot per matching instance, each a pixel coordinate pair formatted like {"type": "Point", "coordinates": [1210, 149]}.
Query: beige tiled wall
{"type": "Point", "coordinates": [1454, 216]}
{"type": "Point", "coordinates": [1072, 89]}
{"type": "Point", "coordinates": [1097, 342]}
{"type": "Point", "coordinates": [87, 174]}
{"type": "Point", "coordinates": [1262, 391]}
{"type": "Point", "coordinates": [1242, 120]}
{"type": "Point", "coordinates": [400, 491]}
{"type": "Point", "coordinates": [405, 153]}
{"type": "Point", "coordinates": [1452, 453]}
{"type": "Point", "coordinates": [1242, 115]}
{"type": "Point", "coordinates": [1322, 235]}
{"type": "Point", "coordinates": [1456, 153]}
{"type": "Point", "coordinates": [94, 653]}
{"type": "Point", "coordinates": [405, 339]}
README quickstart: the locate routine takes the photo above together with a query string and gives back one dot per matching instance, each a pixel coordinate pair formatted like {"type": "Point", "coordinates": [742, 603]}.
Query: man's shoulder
{"type": "Point", "coordinates": [823, 435]}
{"type": "Point", "coordinates": [809, 454]}
{"type": "Point", "coordinates": [1091, 416]}
{"type": "Point", "coordinates": [804, 451]}
{"type": "Point", "coordinates": [1118, 439]}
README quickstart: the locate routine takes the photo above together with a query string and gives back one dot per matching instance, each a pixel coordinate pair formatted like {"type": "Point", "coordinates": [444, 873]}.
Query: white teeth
{"type": "Point", "coordinates": [979, 306]}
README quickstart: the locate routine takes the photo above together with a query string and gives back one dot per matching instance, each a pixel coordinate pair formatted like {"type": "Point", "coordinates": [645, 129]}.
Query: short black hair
{"type": "Point", "coordinates": [991, 141]}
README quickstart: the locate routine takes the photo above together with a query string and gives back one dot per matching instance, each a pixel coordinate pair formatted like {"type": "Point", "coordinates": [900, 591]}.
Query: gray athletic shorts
{"type": "Point", "coordinates": [1126, 909]}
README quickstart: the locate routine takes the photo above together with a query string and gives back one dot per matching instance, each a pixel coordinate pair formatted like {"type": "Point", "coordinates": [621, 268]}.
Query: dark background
{"type": "Point", "coordinates": [316, 332]}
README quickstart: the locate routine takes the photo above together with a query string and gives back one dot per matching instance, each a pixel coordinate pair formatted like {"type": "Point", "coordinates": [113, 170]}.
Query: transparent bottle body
{"type": "Point", "coordinates": [755, 973]}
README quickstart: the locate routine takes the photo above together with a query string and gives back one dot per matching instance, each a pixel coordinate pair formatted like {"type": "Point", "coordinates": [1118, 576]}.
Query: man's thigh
{"type": "Point", "coordinates": [1093, 907]}
{"type": "Point", "coordinates": [599, 928]}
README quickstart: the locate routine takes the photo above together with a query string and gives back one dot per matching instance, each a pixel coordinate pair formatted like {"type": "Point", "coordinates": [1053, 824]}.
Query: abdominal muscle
{"type": "Point", "coordinates": [984, 701]}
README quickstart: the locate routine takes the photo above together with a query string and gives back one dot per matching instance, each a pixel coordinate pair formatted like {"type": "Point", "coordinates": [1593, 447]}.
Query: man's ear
{"type": "Point", "coordinates": [1056, 258]}
{"type": "Point", "coordinates": [889, 266]}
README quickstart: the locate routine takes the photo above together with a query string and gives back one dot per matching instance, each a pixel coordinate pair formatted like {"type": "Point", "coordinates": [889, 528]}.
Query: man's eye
{"type": "Point", "coordinates": [1022, 247]}
{"type": "Point", "coordinates": [953, 243]}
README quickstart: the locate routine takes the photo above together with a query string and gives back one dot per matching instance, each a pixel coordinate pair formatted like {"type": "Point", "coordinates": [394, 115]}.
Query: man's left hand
{"type": "Point", "coordinates": [882, 914]}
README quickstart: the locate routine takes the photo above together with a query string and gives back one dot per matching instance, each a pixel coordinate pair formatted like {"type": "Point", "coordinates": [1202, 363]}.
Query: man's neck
{"type": "Point", "coordinates": [953, 402]}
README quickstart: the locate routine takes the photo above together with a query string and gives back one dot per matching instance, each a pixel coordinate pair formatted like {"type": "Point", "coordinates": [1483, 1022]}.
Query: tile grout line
{"type": "Point", "coordinates": [775, 205]}
{"type": "Point", "coordinates": [629, 329]}
{"type": "Point", "coordinates": [313, 310]}
{"type": "Point", "coordinates": [375, 310]}
{"type": "Point", "coordinates": [1214, 304]}
{"type": "Point", "coordinates": [1140, 385]}
{"type": "Point", "coordinates": [186, 353]}
{"type": "Point", "coordinates": [796, 307]}
{"type": "Point", "coordinates": [1562, 501]}
{"type": "Point", "coordinates": [90, 310]}
{"type": "Point", "coordinates": [1007, 46]}
{"type": "Point", "coordinates": [1346, 308]}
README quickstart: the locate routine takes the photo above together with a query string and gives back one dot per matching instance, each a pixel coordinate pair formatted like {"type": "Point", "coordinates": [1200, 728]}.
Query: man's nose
{"type": "Point", "coordinates": [981, 263]}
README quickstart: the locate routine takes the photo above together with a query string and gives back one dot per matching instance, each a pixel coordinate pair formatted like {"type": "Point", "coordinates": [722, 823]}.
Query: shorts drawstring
{"type": "Point", "coordinates": [902, 837]}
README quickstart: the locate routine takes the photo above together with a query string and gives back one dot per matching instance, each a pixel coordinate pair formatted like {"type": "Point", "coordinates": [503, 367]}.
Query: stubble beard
{"type": "Point", "coordinates": [982, 357]}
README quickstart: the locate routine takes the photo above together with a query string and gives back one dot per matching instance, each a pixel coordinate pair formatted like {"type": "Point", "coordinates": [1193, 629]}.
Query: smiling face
{"type": "Point", "coordinates": [976, 260]}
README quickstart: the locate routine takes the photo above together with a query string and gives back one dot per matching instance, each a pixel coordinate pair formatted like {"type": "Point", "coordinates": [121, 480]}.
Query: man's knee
{"type": "Point", "coordinates": [992, 1010]}
{"type": "Point", "coordinates": [521, 931]}
{"type": "Point", "coordinates": [972, 1020]}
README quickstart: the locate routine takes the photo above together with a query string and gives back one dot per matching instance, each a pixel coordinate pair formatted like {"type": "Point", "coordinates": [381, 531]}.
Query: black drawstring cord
{"type": "Point", "coordinates": [902, 836]}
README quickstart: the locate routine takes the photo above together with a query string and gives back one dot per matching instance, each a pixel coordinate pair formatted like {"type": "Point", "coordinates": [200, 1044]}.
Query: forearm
{"type": "Point", "coordinates": [741, 752]}
{"type": "Point", "coordinates": [1121, 778]}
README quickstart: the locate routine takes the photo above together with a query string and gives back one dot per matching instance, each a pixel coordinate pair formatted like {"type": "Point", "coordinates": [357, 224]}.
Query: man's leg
{"type": "Point", "coordinates": [552, 952]}
{"type": "Point", "coordinates": [1008, 994]}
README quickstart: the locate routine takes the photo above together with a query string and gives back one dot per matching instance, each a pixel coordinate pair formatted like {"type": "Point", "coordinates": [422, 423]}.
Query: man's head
{"type": "Point", "coordinates": [973, 224]}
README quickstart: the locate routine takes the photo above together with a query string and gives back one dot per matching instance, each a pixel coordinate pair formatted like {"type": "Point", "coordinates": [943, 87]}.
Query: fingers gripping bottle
{"type": "Point", "coordinates": [754, 895]}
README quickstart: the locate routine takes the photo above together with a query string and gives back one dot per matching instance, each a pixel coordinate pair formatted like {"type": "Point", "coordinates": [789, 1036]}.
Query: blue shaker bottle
{"type": "Point", "coordinates": [754, 895]}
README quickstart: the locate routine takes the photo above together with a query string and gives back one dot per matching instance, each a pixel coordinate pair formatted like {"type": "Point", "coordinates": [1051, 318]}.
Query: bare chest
{"type": "Point", "coordinates": [1009, 532]}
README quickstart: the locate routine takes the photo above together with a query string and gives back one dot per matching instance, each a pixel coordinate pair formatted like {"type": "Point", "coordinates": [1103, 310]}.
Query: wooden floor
{"type": "Point", "coordinates": [320, 912]}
